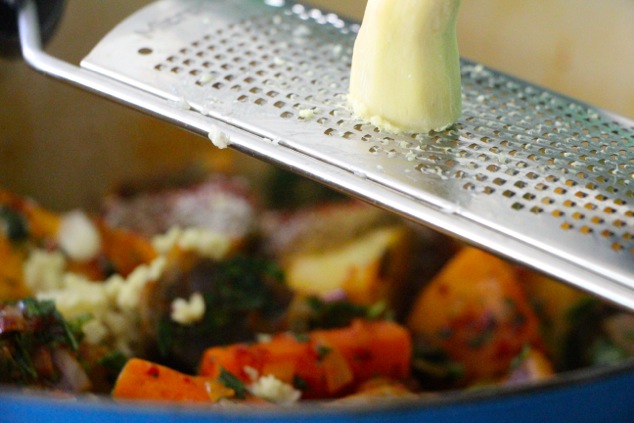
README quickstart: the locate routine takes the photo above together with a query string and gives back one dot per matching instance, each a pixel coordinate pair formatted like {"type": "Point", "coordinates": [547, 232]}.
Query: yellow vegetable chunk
{"type": "Point", "coordinates": [405, 72]}
{"type": "Point", "coordinates": [368, 269]}
{"type": "Point", "coordinates": [476, 311]}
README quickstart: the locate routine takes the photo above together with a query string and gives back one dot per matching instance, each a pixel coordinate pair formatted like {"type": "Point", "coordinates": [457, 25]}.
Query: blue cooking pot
{"type": "Point", "coordinates": [604, 394]}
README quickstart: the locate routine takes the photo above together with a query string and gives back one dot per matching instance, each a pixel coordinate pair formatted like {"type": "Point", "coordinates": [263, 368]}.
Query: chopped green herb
{"type": "Point", "coordinates": [377, 310]}
{"type": "Point", "coordinates": [605, 352]}
{"type": "Point", "coordinates": [114, 361]}
{"type": "Point", "coordinates": [232, 382]}
{"type": "Point", "coordinates": [580, 311]}
{"type": "Point", "coordinates": [31, 331]}
{"type": "Point", "coordinates": [301, 337]}
{"type": "Point", "coordinates": [334, 314]}
{"type": "Point", "coordinates": [238, 293]}
{"type": "Point", "coordinates": [433, 366]}
{"type": "Point", "coordinates": [322, 351]}
{"type": "Point", "coordinates": [300, 383]}
{"type": "Point", "coordinates": [521, 357]}
{"type": "Point", "coordinates": [13, 224]}
{"type": "Point", "coordinates": [45, 314]}
{"type": "Point", "coordinates": [165, 336]}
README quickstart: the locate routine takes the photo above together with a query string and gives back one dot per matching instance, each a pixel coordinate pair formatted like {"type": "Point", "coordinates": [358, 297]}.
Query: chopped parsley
{"type": "Point", "coordinates": [301, 337]}
{"type": "Point", "coordinates": [520, 357]}
{"type": "Point", "coordinates": [322, 351]}
{"type": "Point", "coordinates": [231, 381]}
{"type": "Point", "coordinates": [300, 383]}
{"type": "Point", "coordinates": [335, 314]}
{"type": "Point", "coordinates": [30, 330]}
{"type": "Point", "coordinates": [13, 224]}
{"type": "Point", "coordinates": [434, 369]}
{"type": "Point", "coordinates": [114, 361]}
{"type": "Point", "coordinates": [238, 293]}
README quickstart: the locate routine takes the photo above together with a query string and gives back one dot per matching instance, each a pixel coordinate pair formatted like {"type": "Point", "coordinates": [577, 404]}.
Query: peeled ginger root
{"type": "Point", "coordinates": [405, 74]}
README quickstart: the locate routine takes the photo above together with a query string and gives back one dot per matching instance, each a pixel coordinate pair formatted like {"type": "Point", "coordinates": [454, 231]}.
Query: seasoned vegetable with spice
{"type": "Point", "coordinates": [476, 312]}
{"type": "Point", "coordinates": [38, 347]}
{"type": "Point", "coordinates": [322, 363]}
{"type": "Point", "coordinates": [166, 295]}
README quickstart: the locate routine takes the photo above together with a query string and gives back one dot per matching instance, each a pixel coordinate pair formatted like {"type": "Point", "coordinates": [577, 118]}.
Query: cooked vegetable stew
{"type": "Point", "coordinates": [207, 290]}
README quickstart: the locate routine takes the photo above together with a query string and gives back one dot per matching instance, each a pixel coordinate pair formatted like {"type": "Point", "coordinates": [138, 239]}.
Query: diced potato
{"type": "Point", "coordinates": [345, 248]}
{"type": "Point", "coordinates": [367, 269]}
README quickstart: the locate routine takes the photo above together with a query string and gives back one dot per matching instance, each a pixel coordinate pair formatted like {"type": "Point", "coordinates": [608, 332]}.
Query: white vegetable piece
{"type": "Point", "coordinates": [78, 236]}
{"type": "Point", "coordinates": [405, 72]}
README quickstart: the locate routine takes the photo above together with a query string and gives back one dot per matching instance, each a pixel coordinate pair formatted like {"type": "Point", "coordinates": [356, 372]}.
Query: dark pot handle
{"type": "Point", "coordinates": [49, 12]}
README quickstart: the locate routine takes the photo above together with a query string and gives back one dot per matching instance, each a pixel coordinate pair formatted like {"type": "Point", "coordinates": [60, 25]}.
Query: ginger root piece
{"type": "Point", "coordinates": [405, 72]}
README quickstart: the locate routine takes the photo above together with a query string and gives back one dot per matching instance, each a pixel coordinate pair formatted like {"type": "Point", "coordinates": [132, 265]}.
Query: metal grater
{"type": "Point", "coordinates": [526, 173]}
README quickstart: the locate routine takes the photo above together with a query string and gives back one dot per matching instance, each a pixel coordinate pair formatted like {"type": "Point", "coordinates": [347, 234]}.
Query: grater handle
{"type": "Point", "coordinates": [49, 14]}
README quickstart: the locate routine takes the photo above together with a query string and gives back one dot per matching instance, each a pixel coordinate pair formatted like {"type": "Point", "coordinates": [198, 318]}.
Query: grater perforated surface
{"type": "Point", "coordinates": [522, 165]}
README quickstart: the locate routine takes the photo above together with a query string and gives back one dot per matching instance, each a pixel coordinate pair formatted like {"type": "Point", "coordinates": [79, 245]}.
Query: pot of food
{"type": "Point", "coordinates": [155, 278]}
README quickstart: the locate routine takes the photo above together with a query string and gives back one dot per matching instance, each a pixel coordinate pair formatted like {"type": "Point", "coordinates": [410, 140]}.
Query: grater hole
{"type": "Point", "coordinates": [145, 51]}
{"type": "Point", "coordinates": [532, 175]}
{"type": "Point", "coordinates": [586, 230]}
{"type": "Point", "coordinates": [513, 141]}
{"type": "Point", "coordinates": [566, 226]}
{"type": "Point", "coordinates": [607, 233]}
{"type": "Point", "coordinates": [580, 194]}
{"type": "Point", "coordinates": [617, 246]}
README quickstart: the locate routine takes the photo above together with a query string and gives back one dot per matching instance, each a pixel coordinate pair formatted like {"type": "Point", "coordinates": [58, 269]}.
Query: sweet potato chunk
{"type": "Point", "coordinates": [326, 363]}
{"type": "Point", "coordinates": [477, 313]}
{"type": "Point", "coordinates": [144, 380]}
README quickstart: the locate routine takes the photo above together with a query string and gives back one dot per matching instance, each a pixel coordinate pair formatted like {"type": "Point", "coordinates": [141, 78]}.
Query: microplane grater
{"type": "Point", "coordinates": [527, 173]}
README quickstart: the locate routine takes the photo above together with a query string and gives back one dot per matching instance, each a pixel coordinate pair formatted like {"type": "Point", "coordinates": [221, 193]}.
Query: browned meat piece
{"type": "Point", "coordinates": [220, 203]}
